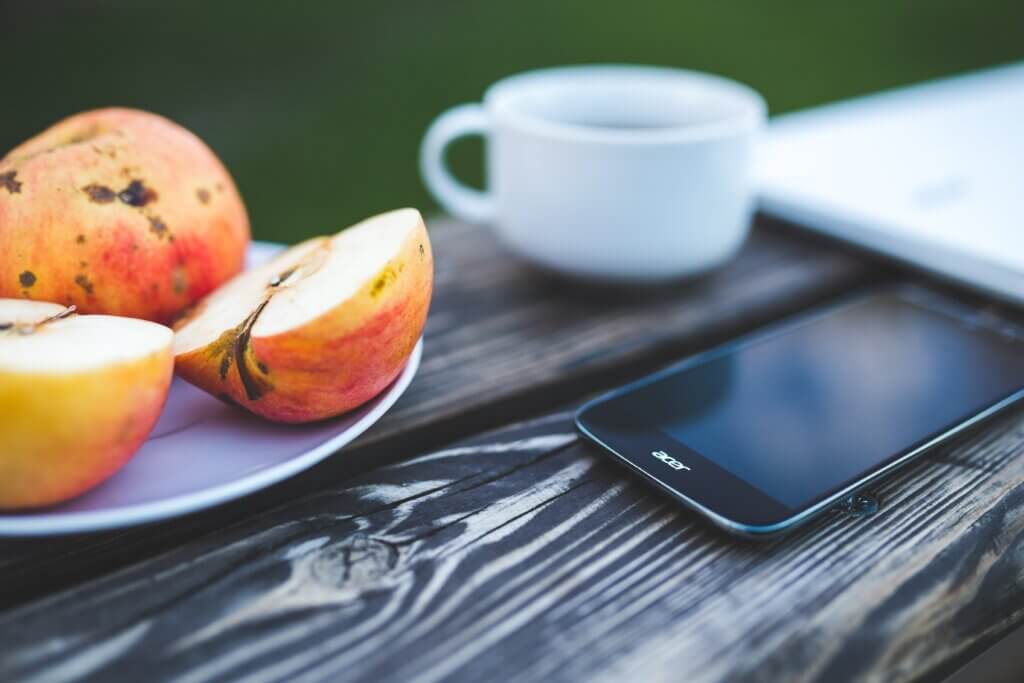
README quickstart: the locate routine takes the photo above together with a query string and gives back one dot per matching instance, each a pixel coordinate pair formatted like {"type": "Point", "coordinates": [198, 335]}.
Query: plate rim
{"type": "Point", "coordinates": [60, 524]}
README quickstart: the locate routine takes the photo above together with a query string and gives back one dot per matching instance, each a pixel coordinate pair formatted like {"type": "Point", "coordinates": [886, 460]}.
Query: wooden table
{"type": "Point", "coordinates": [472, 535]}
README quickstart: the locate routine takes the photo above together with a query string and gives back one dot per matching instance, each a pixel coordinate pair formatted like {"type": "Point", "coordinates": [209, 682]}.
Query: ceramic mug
{"type": "Point", "coordinates": [621, 173]}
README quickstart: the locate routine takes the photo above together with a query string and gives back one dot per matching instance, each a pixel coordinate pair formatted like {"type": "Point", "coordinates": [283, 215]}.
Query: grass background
{"type": "Point", "coordinates": [318, 108]}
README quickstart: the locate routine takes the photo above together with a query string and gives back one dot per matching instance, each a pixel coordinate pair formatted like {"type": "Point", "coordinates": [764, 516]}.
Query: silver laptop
{"type": "Point", "coordinates": [931, 174]}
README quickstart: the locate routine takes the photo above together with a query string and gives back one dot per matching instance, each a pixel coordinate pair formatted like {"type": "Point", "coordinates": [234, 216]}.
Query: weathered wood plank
{"type": "Point", "coordinates": [521, 555]}
{"type": "Point", "coordinates": [503, 342]}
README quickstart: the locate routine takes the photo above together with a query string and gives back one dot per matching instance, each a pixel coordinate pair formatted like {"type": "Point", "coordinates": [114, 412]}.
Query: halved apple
{"type": "Point", "coordinates": [78, 396]}
{"type": "Point", "coordinates": [320, 329]}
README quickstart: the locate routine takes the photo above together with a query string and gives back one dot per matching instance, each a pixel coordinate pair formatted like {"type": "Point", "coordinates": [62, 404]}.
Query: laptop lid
{"type": "Point", "coordinates": [931, 174]}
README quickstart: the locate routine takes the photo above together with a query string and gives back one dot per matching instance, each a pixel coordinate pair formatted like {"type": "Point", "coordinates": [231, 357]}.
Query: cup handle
{"type": "Point", "coordinates": [463, 202]}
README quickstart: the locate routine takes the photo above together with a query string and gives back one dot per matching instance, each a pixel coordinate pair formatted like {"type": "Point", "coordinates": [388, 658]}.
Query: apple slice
{"type": "Point", "coordinates": [320, 329]}
{"type": "Point", "coordinates": [78, 396]}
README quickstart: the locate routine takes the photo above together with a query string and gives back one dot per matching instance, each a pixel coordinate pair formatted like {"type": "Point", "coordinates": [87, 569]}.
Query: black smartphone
{"type": "Point", "coordinates": [760, 434]}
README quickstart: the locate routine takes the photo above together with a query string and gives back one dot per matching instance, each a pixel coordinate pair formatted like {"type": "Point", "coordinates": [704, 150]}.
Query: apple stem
{"type": "Point", "coordinates": [60, 316]}
{"type": "Point", "coordinates": [253, 388]}
{"type": "Point", "coordinates": [31, 327]}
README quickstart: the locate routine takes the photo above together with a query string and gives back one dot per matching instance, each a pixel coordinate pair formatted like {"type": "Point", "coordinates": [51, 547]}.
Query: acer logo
{"type": "Point", "coordinates": [669, 460]}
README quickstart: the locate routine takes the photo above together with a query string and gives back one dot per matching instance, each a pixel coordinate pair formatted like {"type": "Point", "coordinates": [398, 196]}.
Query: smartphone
{"type": "Point", "coordinates": [761, 434]}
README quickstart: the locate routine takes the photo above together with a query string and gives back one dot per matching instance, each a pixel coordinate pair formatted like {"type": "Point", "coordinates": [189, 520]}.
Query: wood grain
{"type": "Point", "coordinates": [522, 556]}
{"type": "Point", "coordinates": [503, 342]}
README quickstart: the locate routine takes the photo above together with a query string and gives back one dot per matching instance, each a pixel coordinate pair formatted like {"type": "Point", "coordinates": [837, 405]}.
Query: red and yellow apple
{"type": "Point", "coordinates": [118, 211]}
{"type": "Point", "coordinates": [320, 329]}
{"type": "Point", "coordinates": [78, 396]}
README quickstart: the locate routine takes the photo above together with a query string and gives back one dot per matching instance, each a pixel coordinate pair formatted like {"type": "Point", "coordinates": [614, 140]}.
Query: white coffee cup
{"type": "Point", "coordinates": [621, 173]}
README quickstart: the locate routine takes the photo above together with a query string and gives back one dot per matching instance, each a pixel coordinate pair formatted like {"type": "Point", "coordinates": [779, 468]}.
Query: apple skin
{"type": "Point", "coordinates": [61, 435]}
{"type": "Point", "coordinates": [118, 211]}
{"type": "Point", "coordinates": [337, 361]}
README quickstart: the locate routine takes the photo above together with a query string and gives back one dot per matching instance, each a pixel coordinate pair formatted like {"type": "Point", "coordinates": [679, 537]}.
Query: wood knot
{"type": "Point", "coordinates": [354, 561]}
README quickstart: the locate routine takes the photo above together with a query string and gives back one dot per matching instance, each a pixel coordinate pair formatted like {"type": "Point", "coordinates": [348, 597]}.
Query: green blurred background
{"type": "Point", "coordinates": [318, 108]}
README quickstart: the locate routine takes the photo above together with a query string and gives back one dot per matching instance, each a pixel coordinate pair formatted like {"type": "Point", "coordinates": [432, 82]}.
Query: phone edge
{"type": "Point", "coordinates": [805, 515]}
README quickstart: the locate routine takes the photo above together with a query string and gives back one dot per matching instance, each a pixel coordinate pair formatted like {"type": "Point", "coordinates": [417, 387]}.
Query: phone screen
{"type": "Point", "coordinates": [803, 412]}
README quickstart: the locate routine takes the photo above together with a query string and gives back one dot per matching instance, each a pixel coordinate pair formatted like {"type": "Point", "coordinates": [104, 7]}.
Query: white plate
{"type": "Point", "coordinates": [203, 453]}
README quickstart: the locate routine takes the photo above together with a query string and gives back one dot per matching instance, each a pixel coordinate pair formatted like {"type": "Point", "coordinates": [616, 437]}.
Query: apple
{"type": "Point", "coordinates": [320, 329]}
{"type": "Point", "coordinates": [118, 211]}
{"type": "Point", "coordinates": [78, 396]}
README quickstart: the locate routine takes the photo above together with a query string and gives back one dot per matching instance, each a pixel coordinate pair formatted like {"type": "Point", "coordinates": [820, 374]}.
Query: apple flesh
{"type": "Point", "coordinates": [118, 211]}
{"type": "Point", "coordinates": [78, 396]}
{"type": "Point", "coordinates": [320, 329]}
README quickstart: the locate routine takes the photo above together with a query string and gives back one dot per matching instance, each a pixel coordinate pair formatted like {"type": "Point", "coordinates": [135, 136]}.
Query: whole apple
{"type": "Point", "coordinates": [118, 211]}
